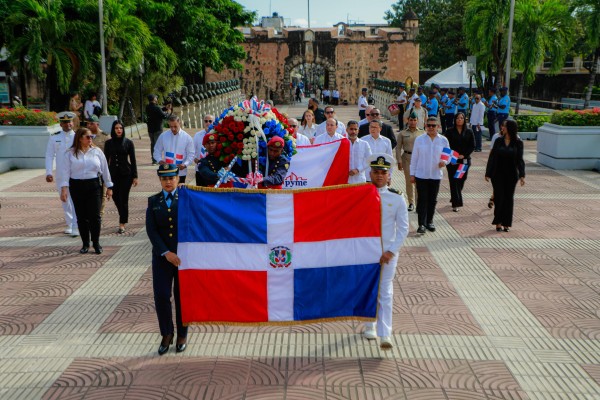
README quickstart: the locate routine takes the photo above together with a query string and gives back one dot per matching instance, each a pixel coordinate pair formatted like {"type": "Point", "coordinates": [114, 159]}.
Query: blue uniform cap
{"type": "Point", "coordinates": [167, 170]}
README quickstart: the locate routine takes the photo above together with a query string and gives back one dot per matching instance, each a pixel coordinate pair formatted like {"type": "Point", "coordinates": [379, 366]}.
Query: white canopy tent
{"type": "Point", "coordinates": [452, 77]}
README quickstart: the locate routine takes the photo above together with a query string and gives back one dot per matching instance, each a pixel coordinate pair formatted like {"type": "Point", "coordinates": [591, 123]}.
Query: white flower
{"type": "Point", "coordinates": [247, 129]}
{"type": "Point", "coordinates": [237, 119]}
{"type": "Point", "coordinates": [254, 154]}
{"type": "Point", "coordinates": [246, 157]}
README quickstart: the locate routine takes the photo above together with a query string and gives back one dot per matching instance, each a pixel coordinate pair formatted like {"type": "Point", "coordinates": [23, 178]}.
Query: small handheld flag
{"type": "Point", "coordinates": [461, 171]}
{"type": "Point", "coordinates": [449, 155]}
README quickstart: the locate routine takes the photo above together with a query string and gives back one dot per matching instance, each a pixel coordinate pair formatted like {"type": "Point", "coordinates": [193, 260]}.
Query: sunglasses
{"type": "Point", "coordinates": [374, 114]}
{"type": "Point", "coordinates": [208, 120]}
{"type": "Point", "coordinates": [293, 126]}
{"type": "Point", "coordinates": [432, 125]}
{"type": "Point", "coordinates": [89, 136]}
{"type": "Point", "coordinates": [328, 112]}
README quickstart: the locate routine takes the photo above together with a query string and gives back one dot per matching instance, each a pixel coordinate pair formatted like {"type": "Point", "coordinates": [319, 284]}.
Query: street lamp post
{"type": "Point", "coordinates": [103, 58]}
{"type": "Point", "coordinates": [509, 46]}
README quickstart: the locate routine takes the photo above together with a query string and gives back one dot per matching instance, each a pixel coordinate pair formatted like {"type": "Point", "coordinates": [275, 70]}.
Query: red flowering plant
{"type": "Point", "coordinates": [21, 116]}
{"type": "Point", "coordinates": [589, 117]}
{"type": "Point", "coordinates": [244, 130]}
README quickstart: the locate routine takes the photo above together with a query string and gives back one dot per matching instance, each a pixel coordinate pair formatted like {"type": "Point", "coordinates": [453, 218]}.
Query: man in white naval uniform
{"type": "Point", "coordinates": [58, 144]}
{"type": "Point", "coordinates": [175, 146]}
{"type": "Point", "coordinates": [394, 228]}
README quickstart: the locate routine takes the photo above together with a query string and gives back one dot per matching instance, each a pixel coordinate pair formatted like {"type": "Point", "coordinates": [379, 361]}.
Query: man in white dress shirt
{"type": "Point", "coordinates": [362, 103]}
{"type": "Point", "coordinates": [330, 113]}
{"type": "Point", "coordinates": [426, 171]}
{"type": "Point", "coordinates": [378, 143]}
{"type": "Point", "coordinates": [331, 135]}
{"type": "Point", "coordinates": [175, 146]}
{"type": "Point", "coordinates": [58, 144]}
{"type": "Point", "coordinates": [301, 140]}
{"type": "Point", "coordinates": [394, 228]}
{"type": "Point", "coordinates": [359, 152]}
{"type": "Point", "coordinates": [477, 113]}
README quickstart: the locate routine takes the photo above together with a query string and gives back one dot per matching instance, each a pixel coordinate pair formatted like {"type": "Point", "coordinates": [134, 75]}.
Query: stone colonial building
{"type": "Point", "coordinates": [349, 57]}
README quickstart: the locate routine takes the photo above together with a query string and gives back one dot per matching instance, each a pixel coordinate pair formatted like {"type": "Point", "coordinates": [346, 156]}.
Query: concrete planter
{"type": "Point", "coordinates": [568, 147]}
{"type": "Point", "coordinates": [24, 146]}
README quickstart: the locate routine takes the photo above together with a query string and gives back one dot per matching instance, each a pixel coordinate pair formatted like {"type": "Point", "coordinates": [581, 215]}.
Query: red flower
{"type": "Point", "coordinates": [217, 153]}
{"type": "Point", "coordinates": [223, 139]}
{"type": "Point", "coordinates": [230, 136]}
{"type": "Point", "coordinates": [219, 146]}
{"type": "Point", "coordinates": [227, 150]}
{"type": "Point", "coordinates": [240, 136]}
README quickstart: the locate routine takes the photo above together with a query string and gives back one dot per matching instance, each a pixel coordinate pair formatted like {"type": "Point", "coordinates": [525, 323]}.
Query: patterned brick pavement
{"type": "Point", "coordinates": [477, 314]}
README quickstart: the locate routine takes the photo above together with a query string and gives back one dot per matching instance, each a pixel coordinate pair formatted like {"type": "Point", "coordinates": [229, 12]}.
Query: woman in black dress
{"type": "Point", "coordinates": [461, 140]}
{"type": "Point", "coordinates": [505, 168]}
{"type": "Point", "coordinates": [120, 154]}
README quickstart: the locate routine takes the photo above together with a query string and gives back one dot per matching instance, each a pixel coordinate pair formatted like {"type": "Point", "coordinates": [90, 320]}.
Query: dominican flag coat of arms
{"type": "Point", "coordinates": [260, 256]}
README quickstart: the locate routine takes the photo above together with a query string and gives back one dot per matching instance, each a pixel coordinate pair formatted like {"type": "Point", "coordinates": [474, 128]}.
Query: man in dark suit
{"type": "Point", "coordinates": [161, 226]}
{"type": "Point", "coordinates": [155, 118]}
{"type": "Point", "coordinates": [386, 130]}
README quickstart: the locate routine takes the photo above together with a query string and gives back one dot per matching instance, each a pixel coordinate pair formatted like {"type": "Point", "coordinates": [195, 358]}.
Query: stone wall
{"type": "Point", "coordinates": [352, 57]}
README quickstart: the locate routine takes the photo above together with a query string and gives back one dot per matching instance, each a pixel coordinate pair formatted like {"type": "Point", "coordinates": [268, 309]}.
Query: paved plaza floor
{"type": "Point", "coordinates": [478, 314]}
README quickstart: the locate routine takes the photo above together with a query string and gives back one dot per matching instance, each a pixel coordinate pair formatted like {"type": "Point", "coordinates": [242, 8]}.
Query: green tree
{"type": "Point", "coordinates": [202, 33]}
{"type": "Point", "coordinates": [37, 33]}
{"type": "Point", "coordinates": [485, 28]}
{"type": "Point", "coordinates": [542, 30]}
{"type": "Point", "coordinates": [588, 15]}
{"type": "Point", "coordinates": [441, 38]}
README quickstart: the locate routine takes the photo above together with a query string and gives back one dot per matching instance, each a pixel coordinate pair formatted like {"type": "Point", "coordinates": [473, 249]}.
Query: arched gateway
{"type": "Point", "coordinates": [345, 58]}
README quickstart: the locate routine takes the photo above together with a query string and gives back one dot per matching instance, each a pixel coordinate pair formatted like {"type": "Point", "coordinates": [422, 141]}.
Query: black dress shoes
{"type": "Point", "coordinates": [166, 342]}
{"type": "Point", "coordinates": [84, 249]}
{"type": "Point", "coordinates": [411, 207]}
{"type": "Point", "coordinates": [181, 345]}
{"type": "Point", "coordinates": [430, 227]}
{"type": "Point", "coordinates": [421, 229]}
{"type": "Point", "coordinates": [97, 248]}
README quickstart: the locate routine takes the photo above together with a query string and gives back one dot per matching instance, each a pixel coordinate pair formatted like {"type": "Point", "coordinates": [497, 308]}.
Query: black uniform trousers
{"type": "Point", "coordinates": [449, 121]}
{"type": "Point", "coordinates": [153, 138]}
{"type": "Point", "coordinates": [501, 118]}
{"type": "Point", "coordinates": [427, 192]}
{"type": "Point", "coordinates": [87, 199]}
{"type": "Point", "coordinates": [504, 198]}
{"type": "Point", "coordinates": [456, 184]}
{"type": "Point", "coordinates": [401, 117]}
{"type": "Point", "coordinates": [121, 189]}
{"type": "Point", "coordinates": [491, 115]}
{"type": "Point", "coordinates": [361, 114]}
{"type": "Point", "coordinates": [164, 277]}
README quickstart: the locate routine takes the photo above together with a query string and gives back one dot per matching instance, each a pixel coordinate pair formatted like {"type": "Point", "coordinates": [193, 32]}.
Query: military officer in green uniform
{"type": "Point", "coordinates": [406, 140]}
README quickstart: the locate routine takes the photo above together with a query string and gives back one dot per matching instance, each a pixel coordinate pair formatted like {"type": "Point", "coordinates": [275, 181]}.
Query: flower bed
{"type": "Point", "coordinates": [590, 117]}
{"type": "Point", "coordinates": [22, 116]}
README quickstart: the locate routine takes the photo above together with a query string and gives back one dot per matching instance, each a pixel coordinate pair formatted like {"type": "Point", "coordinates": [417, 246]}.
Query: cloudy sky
{"type": "Point", "coordinates": [323, 13]}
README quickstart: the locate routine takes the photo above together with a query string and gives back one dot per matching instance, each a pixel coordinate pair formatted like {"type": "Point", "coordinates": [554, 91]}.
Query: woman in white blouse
{"type": "Point", "coordinates": [84, 171]}
{"type": "Point", "coordinates": [308, 127]}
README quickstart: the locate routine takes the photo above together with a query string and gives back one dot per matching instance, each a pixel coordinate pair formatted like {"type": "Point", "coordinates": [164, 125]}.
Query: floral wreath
{"type": "Point", "coordinates": [243, 131]}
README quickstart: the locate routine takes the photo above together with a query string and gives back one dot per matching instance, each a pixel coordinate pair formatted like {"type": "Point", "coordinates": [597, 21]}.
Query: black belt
{"type": "Point", "coordinates": [407, 152]}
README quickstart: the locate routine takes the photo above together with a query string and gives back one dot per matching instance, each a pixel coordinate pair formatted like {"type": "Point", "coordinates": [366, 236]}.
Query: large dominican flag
{"type": "Point", "coordinates": [254, 256]}
{"type": "Point", "coordinates": [320, 165]}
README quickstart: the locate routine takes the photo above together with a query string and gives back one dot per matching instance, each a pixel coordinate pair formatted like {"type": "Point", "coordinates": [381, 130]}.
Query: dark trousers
{"type": "Point", "coordinates": [182, 179]}
{"type": "Point", "coordinates": [121, 188]}
{"type": "Point", "coordinates": [491, 123]}
{"type": "Point", "coordinates": [504, 199]}
{"type": "Point", "coordinates": [153, 138]}
{"type": "Point", "coordinates": [401, 117]}
{"type": "Point", "coordinates": [449, 121]}
{"type": "Point", "coordinates": [361, 114]}
{"type": "Point", "coordinates": [477, 133]}
{"type": "Point", "coordinates": [427, 192]}
{"type": "Point", "coordinates": [456, 185]}
{"type": "Point", "coordinates": [501, 118]}
{"type": "Point", "coordinates": [443, 123]}
{"type": "Point", "coordinates": [164, 278]}
{"type": "Point", "coordinates": [87, 199]}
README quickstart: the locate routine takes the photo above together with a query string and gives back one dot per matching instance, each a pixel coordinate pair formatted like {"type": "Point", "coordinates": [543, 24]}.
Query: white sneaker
{"type": "Point", "coordinates": [370, 334]}
{"type": "Point", "coordinates": [386, 343]}
{"type": "Point", "coordinates": [69, 230]}
{"type": "Point", "coordinates": [75, 231]}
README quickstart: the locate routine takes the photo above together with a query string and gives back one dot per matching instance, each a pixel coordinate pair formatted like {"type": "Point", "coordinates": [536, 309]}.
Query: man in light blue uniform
{"type": "Point", "coordinates": [503, 106]}
{"type": "Point", "coordinates": [442, 106]}
{"type": "Point", "coordinates": [421, 95]}
{"type": "Point", "coordinates": [491, 105]}
{"type": "Point", "coordinates": [450, 109]}
{"type": "Point", "coordinates": [432, 105]}
{"type": "Point", "coordinates": [463, 100]}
